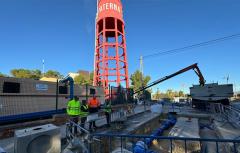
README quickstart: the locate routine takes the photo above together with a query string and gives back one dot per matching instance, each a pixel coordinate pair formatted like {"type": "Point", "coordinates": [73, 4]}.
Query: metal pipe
{"type": "Point", "coordinates": [165, 138]}
{"type": "Point", "coordinates": [79, 127]}
{"type": "Point", "coordinates": [71, 83]}
{"type": "Point", "coordinates": [57, 96]}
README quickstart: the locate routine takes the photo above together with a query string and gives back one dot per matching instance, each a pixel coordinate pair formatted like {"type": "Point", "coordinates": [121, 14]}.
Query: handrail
{"type": "Point", "coordinates": [229, 113]}
{"type": "Point", "coordinates": [233, 108]}
{"type": "Point", "coordinates": [165, 138]}
{"type": "Point", "coordinates": [78, 126]}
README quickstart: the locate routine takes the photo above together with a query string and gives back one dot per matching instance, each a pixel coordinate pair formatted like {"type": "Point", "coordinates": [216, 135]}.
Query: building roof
{"type": "Point", "coordinates": [48, 79]}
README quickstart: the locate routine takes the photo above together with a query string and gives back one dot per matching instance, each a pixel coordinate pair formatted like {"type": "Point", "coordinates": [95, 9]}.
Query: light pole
{"type": "Point", "coordinates": [143, 92]}
{"type": "Point", "coordinates": [43, 67]}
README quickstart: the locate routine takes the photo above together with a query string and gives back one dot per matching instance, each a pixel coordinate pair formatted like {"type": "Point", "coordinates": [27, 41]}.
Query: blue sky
{"type": "Point", "coordinates": [62, 33]}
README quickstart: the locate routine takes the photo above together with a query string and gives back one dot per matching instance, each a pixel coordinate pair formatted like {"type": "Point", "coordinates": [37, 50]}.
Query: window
{"type": "Point", "coordinates": [63, 89]}
{"type": "Point", "coordinates": [11, 87]}
{"type": "Point", "coordinates": [92, 91]}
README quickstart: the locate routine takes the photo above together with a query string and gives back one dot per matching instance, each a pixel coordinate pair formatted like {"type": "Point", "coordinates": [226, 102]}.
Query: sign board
{"type": "Point", "coordinates": [109, 8]}
{"type": "Point", "coordinates": [41, 87]}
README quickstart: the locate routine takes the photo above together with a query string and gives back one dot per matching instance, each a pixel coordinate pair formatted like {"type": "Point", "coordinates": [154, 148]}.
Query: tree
{"type": "Point", "coordinates": [36, 74]}
{"type": "Point", "coordinates": [170, 94]}
{"type": "Point", "coordinates": [21, 73]}
{"type": "Point", "coordinates": [2, 75]}
{"type": "Point", "coordinates": [147, 95]}
{"type": "Point", "coordinates": [25, 73]}
{"type": "Point", "coordinates": [157, 95]}
{"type": "Point", "coordinates": [181, 94]}
{"type": "Point", "coordinates": [138, 81]}
{"type": "Point", "coordinates": [91, 78]}
{"type": "Point", "coordinates": [53, 74]}
{"type": "Point", "coordinates": [82, 79]}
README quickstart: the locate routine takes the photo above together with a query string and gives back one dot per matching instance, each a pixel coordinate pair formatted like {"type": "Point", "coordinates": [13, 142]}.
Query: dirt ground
{"type": "Point", "coordinates": [205, 132]}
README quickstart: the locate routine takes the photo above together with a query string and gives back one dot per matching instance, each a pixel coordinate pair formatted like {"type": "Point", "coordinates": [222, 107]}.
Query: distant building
{"type": "Point", "coordinates": [80, 72]}
{"type": "Point", "coordinates": [48, 79]}
{"type": "Point", "coordinates": [73, 75]}
{"type": "Point", "coordinates": [84, 73]}
{"type": "Point", "coordinates": [180, 99]}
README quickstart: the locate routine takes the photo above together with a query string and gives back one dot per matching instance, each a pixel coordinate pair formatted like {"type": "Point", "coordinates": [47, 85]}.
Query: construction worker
{"type": "Point", "coordinates": [108, 110]}
{"type": "Point", "coordinates": [94, 106]}
{"type": "Point", "coordinates": [84, 113]}
{"type": "Point", "coordinates": [73, 111]}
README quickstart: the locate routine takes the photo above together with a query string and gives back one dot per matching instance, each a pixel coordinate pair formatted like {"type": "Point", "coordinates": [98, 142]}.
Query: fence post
{"type": "Point", "coordinates": [121, 144]}
{"type": "Point", "coordinates": [217, 147]}
{"type": "Point", "coordinates": [57, 91]}
{"type": "Point", "coordinates": [171, 145]}
{"type": "Point", "coordinates": [125, 95]}
{"type": "Point", "coordinates": [111, 95]}
{"type": "Point", "coordinates": [235, 148]}
{"type": "Point", "coordinates": [86, 92]}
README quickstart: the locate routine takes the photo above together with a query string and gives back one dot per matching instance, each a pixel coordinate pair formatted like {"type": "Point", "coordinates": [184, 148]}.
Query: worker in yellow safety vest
{"type": "Point", "coordinates": [84, 113]}
{"type": "Point", "coordinates": [73, 111]}
{"type": "Point", "coordinates": [108, 110]}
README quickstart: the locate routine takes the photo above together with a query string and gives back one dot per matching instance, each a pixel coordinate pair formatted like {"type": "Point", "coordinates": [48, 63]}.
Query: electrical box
{"type": "Point", "coordinates": [40, 139]}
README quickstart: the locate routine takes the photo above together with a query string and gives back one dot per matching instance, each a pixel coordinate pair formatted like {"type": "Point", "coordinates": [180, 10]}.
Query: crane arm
{"type": "Point", "coordinates": [191, 67]}
{"type": "Point", "coordinates": [200, 75]}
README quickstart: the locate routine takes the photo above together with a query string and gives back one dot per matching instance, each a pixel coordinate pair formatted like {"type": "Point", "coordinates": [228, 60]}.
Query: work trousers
{"type": "Point", "coordinates": [83, 120]}
{"type": "Point", "coordinates": [75, 120]}
{"type": "Point", "coordinates": [108, 117]}
{"type": "Point", "coordinates": [92, 124]}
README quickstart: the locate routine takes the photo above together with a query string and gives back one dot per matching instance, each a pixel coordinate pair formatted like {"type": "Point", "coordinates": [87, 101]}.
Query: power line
{"type": "Point", "coordinates": [177, 50]}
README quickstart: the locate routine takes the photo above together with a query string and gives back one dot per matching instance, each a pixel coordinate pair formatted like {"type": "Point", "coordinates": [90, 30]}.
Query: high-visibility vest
{"type": "Point", "coordinates": [108, 108]}
{"type": "Point", "coordinates": [93, 103]}
{"type": "Point", "coordinates": [84, 113]}
{"type": "Point", "coordinates": [73, 108]}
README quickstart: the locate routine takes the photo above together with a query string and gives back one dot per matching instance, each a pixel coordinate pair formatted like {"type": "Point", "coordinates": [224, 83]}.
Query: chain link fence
{"type": "Point", "coordinates": [28, 99]}
{"type": "Point", "coordinates": [120, 95]}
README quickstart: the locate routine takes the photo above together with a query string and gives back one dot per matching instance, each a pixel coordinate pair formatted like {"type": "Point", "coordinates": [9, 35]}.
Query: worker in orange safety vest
{"type": "Point", "coordinates": [94, 106]}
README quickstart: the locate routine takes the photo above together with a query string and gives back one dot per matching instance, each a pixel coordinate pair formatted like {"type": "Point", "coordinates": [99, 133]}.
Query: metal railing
{"type": "Point", "coordinates": [82, 143]}
{"type": "Point", "coordinates": [109, 142]}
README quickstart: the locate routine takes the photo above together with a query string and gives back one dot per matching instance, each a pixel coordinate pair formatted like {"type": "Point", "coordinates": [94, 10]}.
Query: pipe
{"type": "Point", "coordinates": [71, 84]}
{"type": "Point", "coordinates": [2, 150]}
{"type": "Point", "coordinates": [142, 146]}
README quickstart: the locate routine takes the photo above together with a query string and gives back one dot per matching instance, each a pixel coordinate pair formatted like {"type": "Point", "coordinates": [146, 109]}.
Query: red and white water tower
{"type": "Point", "coordinates": [110, 61]}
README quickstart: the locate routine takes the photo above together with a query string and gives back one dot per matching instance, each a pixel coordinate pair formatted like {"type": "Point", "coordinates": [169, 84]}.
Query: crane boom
{"type": "Point", "coordinates": [191, 67]}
